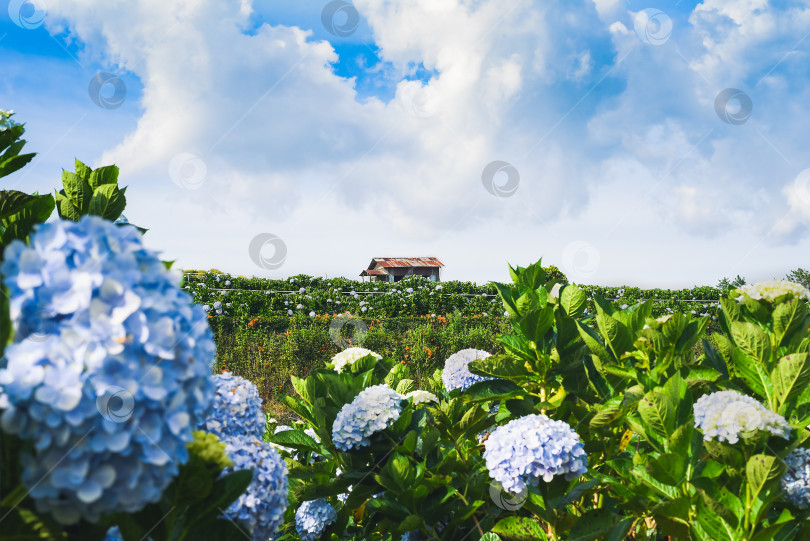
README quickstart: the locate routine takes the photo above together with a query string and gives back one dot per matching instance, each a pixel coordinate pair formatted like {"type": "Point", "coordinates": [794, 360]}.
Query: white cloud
{"type": "Point", "coordinates": [566, 92]}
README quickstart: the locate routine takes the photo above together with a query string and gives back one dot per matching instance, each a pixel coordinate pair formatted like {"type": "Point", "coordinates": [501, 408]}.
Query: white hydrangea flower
{"type": "Point", "coordinates": [421, 397]}
{"type": "Point", "coordinates": [727, 415]}
{"type": "Point", "coordinates": [773, 289]}
{"type": "Point", "coordinates": [350, 356]}
{"type": "Point", "coordinates": [371, 411]}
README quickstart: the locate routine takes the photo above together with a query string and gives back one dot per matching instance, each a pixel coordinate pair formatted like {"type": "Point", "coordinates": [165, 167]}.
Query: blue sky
{"type": "Point", "coordinates": [236, 118]}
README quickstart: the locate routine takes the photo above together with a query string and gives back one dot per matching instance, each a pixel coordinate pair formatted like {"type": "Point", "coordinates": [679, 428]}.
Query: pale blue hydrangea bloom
{"type": "Point", "coordinates": [312, 518]}
{"type": "Point", "coordinates": [109, 370]}
{"type": "Point", "coordinates": [261, 508]}
{"type": "Point", "coordinates": [531, 448]}
{"type": "Point", "coordinates": [727, 415]}
{"type": "Point", "coordinates": [237, 408]}
{"type": "Point", "coordinates": [371, 411]}
{"type": "Point", "coordinates": [456, 375]}
{"type": "Point", "coordinates": [796, 482]}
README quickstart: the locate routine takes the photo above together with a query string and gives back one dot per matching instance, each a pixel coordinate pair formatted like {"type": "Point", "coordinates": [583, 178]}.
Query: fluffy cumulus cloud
{"type": "Point", "coordinates": [246, 125]}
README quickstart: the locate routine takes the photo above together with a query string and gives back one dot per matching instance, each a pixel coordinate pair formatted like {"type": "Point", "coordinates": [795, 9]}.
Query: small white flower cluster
{"type": "Point", "coordinates": [727, 415]}
{"type": "Point", "coordinates": [371, 411]}
{"type": "Point", "coordinates": [421, 397]}
{"type": "Point", "coordinates": [350, 356]}
{"type": "Point", "coordinates": [773, 289]}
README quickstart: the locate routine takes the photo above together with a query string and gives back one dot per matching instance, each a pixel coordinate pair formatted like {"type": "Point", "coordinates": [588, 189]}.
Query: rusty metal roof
{"type": "Point", "coordinates": [373, 272]}
{"type": "Point", "coordinates": [405, 262]}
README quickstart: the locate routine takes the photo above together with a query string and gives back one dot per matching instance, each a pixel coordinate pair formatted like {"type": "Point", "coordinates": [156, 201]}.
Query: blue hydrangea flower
{"type": "Point", "coordinates": [531, 448]}
{"type": "Point", "coordinates": [113, 534]}
{"type": "Point", "coordinates": [728, 415]}
{"type": "Point", "coordinates": [456, 375]}
{"type": "Point", "coordinates": [312, 518]}
{"type": "Point", "coordinates": [371, 411]}
{"type": "Point", "coordinates": [796, 482]}
{"type": "Point", "coordinates": [261, 508]}
{"type": "Point", "coordinates": [109, 370]}
{"type": "Point", "coordinates": [237, 408]}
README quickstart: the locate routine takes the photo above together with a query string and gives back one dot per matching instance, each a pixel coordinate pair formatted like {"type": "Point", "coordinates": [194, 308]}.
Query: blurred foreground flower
{"type": "Point", "coordinates": [109, 371]}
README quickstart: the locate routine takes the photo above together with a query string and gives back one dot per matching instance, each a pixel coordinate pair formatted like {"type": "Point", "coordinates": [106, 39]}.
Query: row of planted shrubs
{"type": "Point", "coordinates": [268, 351]}
{"type": "Point", "coordinates": [579, 432]}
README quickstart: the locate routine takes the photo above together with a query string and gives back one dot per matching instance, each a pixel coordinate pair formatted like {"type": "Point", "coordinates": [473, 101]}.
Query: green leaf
{"type": "Point", "coordinates": [594, 524]}
{"type": "Point", "coordinates": [591, 340]}
{"type": "Point", "coordinates": [494, 389]}
{"type": "Point", "coordinates": [658, 413]}
{"type": "Point", "coordinates": [103, 175]}
{"type": "Point", "coordinates": [750, 338]}
{"type": "Point", "coordinates": [616, 335]}
{"type": "Point", "coordinates": [667, 469]}
{"type": "Point", "coordinates": [519, 529]}
{"type": "Point", "coordinates": [66, 209]}
{"type": "Point", "coordinates": [573, 300]}
{"type": "Point", "coordinates": [107, 201]}
{"type": "Point", "coordinates": [297, 439]}
{"type": "Point", "coordinates": [754, 375]}
{"type": "Point", "coordinates": [226, 490]}
{"type": "Point", "coordinates": [82, 171]}
{"type": "Point", "coordinates": [490, 536]}
{"type": "Point", "coordinates": [499, 366]}
{"type": "Point", "coordinates": [12, 202]}
{"type": "Point", "coordinates": [713, 525]}
{"type": "Point", "coordinates": [609, 412]}
{"type": "Point", "coordinates": [790, 377]}
{"type": "Point", "coordinates": [77, 190]}
{"type": "Point", "coordinates": [14, 163]}
{"type": "Point", "coordinates": [762, 471]}
{"type": "Point", "coordinates": [599, 383]}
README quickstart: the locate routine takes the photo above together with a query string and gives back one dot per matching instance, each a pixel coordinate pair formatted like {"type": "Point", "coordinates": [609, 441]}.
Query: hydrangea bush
{"type": "Point", "coordinates": [106, 370]}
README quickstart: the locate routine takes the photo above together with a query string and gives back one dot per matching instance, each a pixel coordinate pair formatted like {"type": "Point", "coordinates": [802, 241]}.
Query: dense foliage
{"type": "Point", "coordinates": [595, 417]}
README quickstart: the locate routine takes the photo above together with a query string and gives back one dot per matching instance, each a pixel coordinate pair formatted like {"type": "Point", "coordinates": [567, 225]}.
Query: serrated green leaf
{"type": "Point", "coordinates": [107, 201]}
